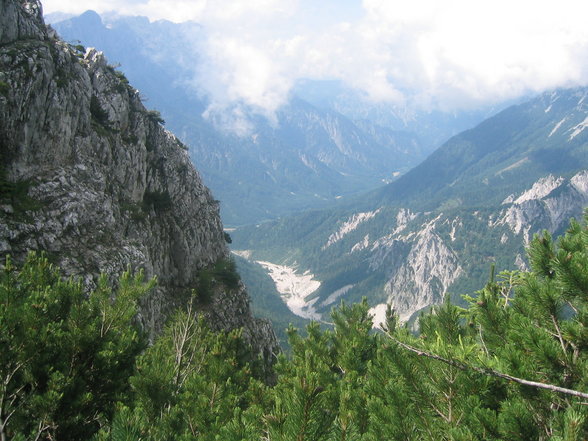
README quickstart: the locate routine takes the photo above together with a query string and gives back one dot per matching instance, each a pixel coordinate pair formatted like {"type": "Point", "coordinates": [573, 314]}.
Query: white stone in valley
{"type": "Point", "coordinates": [336, 294]}
{"type": "Point", "coordinates": [245, 254]}
{"type": "Point", "coordinates": [294, 289]}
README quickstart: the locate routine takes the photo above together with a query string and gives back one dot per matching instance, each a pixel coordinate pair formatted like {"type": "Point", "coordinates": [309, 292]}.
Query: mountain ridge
{"type": "Point", "coordinates": [507, 148]}
{"type": "Point", "coordinates": [304, 157]}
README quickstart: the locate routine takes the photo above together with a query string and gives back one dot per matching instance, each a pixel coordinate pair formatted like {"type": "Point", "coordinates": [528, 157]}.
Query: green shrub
{"type": "Point", "coordinates": [133, 139]}
{"type": "Point", "coordinates": [182, 145]}
{"type": "Point", "coordinates": [134, 210]}
{"type": "Point", "coordinates": [205, 285]}
{"type": "Point", "coordinates": [123, 86]}
{"type": "Point", "coordinates": [150, 145]}
{"type": "Point", "coordinates": [66, 354]}
{"type": "Point", "coordinates": [222, 273]}
{"type": "Point", "coordinates": [159, 200]}
{"type": "Point", "coordinates": [225, 271]}
{"type": "Point", "coordinates": [4, 88]}
{"type": "Point", "coordinates": [98, 113]}
{"type": "Point", "coordinates": [155, 116]}
{"type": "Point", "coordinates": [79, 51]}
{"type": "Point", "coordinates": [62, 77]}
{"type": "Point", "coordinates": [17, 195]}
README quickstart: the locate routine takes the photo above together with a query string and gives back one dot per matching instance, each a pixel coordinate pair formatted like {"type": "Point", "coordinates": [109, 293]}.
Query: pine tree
{"type": "Point", "coordinates": [511, 366]}
{"type": "Point", "coordinates": [190, 384]}
{"type": "Point", "coordinates": [65, 356]}
{"type": "Point", "coordinates": [305, 396]}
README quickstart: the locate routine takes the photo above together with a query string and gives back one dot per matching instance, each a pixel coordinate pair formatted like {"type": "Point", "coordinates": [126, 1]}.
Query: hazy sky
{"type": "Point", "coordinates": [429, 53]}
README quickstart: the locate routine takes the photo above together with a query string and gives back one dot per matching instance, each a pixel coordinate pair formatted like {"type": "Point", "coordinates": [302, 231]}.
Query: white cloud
{"type": "Point", "coordinates": [177, 11]}
{"type": "Point", "coordinates": [451, 53]}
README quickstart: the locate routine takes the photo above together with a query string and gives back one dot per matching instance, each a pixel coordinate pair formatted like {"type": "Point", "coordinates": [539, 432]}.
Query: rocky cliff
{"type": "Point", "coordinates": [92, 177]}
{"type": "Point", "coordinates": [440, 248]}
{"type": "Point", "coordinates": [428, 254]}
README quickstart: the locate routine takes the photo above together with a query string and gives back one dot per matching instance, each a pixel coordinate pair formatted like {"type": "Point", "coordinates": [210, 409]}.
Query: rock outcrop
{"type": "Point", "coordinates": [548, 204]}
{"type": "Point", "coordinates": [424, 274]}
{"type": "Point", "coordinates": [92, 177]}
{"type": "Point", "coordinates": [421, 266]}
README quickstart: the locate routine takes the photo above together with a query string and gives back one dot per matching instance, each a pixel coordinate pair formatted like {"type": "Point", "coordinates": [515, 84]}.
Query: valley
{"type": "Point", "coordinates": [260, 167]}
{"type": "Point", "coordinates": [294, 289]}
{"type": "Point", "coordinates": [438, 230]}
{"type": "Point", "coordinates": [434, 230]}
{"type": "Point", "coordinates": [395, 245]}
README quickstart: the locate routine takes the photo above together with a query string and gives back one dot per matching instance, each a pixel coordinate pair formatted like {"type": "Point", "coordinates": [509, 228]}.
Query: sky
{"type": "Point", "coordinates": [426, 54]}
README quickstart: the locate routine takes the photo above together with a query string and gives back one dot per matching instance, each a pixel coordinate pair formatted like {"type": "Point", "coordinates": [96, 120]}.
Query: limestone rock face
{"type": "Point", "coordinates": [92, 177]}
{"type": "Point", "coordinates": [21, 20]}
{"type": "Point", "coordinates": [425, 275]}
{"type": "Point", "coordinates": [413, 260]}
{"type": "Point", "coordinates": [548, 204]}
{"type": "Point", "coordinates": [419, 265]}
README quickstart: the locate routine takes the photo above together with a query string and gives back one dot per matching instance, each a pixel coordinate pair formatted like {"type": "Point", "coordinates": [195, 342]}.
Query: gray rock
{"type": "Point", "coordinates": [107, 186]}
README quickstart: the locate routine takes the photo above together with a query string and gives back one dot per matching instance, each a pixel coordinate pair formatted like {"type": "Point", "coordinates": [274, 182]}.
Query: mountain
{"type": "Point", "coordinates": [89, 176]}
{"type": "Point", "coordinates": [440, 228]}
{"type": "Point", "coordinates": [308, 156]}
{"type": "Point", "coordinates": [311, 158]}
{"type": "Point", "coordinates": [432, 126]}
{"type": "Point", "coordinates": [503, 154]}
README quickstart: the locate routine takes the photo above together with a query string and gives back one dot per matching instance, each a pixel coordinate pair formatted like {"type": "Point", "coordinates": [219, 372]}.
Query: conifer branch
{"type": "Point", "coordinates": [559, 334]}
{"type": "Point", "coordinates": [489, 372]}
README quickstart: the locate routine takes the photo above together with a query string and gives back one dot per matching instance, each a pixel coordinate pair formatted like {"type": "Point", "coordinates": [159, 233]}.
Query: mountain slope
{"type": "Point", "coordinates": [433, 126]}
{"type": "Point", "coordinates": [305, 158]}
{"type": "Point", "coordinates": [505, 153]}
{"type": "Point", "coordinates": [439, 228]}
{"type": "Point", "coordinates": [90, 176]}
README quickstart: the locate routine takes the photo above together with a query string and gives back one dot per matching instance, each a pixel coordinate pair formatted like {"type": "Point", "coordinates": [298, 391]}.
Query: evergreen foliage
{"type": "Point", "coordinates": [99, 115]}
{"type": "Point", "coordinates": [64, 357]}
{"type": "Point", "coordinates": [160, 201]}
{"type": "Point", "coordinates": [511, 365]}
{"type": "Point", "coordinates": [17, 195]}
{"type": "Point", "coordinates": [222, 274]}
{"type": "Point", "coordinates": [188, 385]}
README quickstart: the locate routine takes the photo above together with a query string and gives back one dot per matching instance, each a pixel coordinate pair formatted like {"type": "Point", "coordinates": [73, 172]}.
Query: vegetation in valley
{"type": "Point", "coordinates": [267, 302]}
{"type": "Point", "coordinates": [511, 365]}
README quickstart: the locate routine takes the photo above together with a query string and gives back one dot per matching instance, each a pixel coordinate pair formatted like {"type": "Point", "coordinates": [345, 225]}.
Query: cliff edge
{"type": "Point", "coordinates": [91, 176]}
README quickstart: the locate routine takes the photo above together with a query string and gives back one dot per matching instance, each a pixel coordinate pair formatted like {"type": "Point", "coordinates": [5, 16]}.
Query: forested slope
{"type": "Point", "coordinates": [512, 365]}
